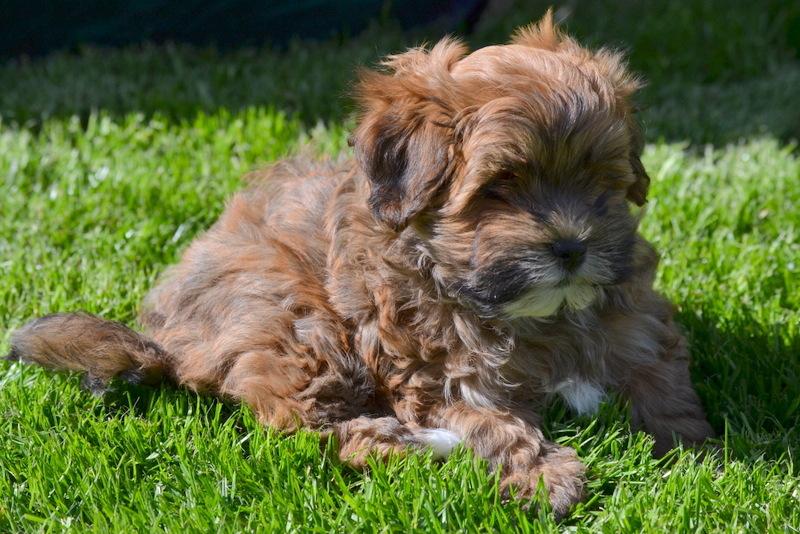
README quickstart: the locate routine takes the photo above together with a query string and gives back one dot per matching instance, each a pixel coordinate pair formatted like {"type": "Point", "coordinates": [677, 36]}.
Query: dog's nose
{"type": "Point", "coordinates": [571, 252]}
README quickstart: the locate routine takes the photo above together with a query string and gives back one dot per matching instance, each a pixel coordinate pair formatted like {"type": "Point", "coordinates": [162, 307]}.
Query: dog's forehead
{"type": "Point", "coordinates": [515, 67]}
{"type": "Point", "coordinates": [498, 59]}
{"type": "Point", "coordinates": [548, 112]}
{"type": "Point", "coordinates": [556, 97]}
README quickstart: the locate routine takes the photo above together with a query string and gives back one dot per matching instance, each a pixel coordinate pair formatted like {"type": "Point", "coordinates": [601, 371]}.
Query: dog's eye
{"type": "Point", "coordinates": [600, 205]}
{"type": "Point", "coordinates": [493, 193]}
{"type": "Point", "coordinates": [499, 188]}
{"type": "Point", "coordinates": [498, 192]}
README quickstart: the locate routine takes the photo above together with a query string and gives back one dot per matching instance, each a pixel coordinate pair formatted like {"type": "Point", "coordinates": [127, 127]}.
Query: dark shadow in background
{"type": "Point", "coordinates": [178, 59]}
{"type": "Point", "coordinates": [36, 27]}
{"type": "Point", "coordinates": [721, 72]}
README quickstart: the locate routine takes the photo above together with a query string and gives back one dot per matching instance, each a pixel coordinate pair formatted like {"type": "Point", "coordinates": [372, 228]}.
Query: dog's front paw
{"type": "Point", "coordinates": [561, 472]}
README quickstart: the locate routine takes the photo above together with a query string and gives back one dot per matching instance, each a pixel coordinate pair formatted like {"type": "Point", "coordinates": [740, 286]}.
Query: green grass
{"type": "Point", "coordinates": [112, 161]}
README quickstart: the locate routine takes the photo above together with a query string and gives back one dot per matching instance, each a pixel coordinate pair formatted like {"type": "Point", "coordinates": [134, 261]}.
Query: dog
{"type": "Point", "coordinates": [478, 256]}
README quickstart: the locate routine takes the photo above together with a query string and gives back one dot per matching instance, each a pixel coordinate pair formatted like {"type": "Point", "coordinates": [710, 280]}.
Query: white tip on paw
{"type": "Point", "coordinates": [440, 441]}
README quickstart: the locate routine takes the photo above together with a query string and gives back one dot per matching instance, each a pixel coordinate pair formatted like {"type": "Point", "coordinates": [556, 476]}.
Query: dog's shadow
{"type": "Point", "coordinates": [748, 376]}
{"type": "Point", "coordinates": [126, 399]}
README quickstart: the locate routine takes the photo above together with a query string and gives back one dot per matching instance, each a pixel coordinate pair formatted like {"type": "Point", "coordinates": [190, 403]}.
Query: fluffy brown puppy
{"type": "Point", "coordinates": [478, 256]}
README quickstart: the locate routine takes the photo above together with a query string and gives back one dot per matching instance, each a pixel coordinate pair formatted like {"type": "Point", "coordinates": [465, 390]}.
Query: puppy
{"type": "Point", "coordinates": [478, 256]}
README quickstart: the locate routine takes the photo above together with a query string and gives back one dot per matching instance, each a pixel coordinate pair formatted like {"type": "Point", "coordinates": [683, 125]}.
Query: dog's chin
{"type": "Point", "coordinates": [546, 301]}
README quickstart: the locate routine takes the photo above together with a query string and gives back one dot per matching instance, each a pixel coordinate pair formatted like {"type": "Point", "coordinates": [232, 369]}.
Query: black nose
{"type": "Point", "coordinates": [571, 252]}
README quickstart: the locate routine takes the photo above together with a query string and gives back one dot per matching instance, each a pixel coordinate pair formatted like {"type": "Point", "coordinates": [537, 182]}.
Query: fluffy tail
{"type": "Point", "coordinates": [85, 343]}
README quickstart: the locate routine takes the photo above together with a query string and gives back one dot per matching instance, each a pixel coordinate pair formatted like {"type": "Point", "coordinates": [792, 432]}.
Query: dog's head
{"type": "Point", "coordinates": [515, 165]}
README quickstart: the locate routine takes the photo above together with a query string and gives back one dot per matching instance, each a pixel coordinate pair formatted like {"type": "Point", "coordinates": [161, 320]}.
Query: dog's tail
{"type": "Point", "coordinates": [102, 349]}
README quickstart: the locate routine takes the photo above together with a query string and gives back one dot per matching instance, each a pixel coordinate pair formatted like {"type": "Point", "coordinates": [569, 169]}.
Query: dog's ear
{"type": "Point", "coordinates": [612, 66]}
{"type": "Point", "coordinates": [637, 191]}
{"type": "Point", "coordinates": [624, 85]}
{"type": "Point", "coordinates": [404, 138]}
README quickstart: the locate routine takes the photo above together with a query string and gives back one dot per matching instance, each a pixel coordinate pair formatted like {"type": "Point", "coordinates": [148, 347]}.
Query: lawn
{"type": "Point", "coordinates": [113, 160]}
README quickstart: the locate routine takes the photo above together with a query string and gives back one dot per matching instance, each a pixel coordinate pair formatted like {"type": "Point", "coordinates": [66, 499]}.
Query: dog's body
{"type": "Point", "coordinates": [479, 258]}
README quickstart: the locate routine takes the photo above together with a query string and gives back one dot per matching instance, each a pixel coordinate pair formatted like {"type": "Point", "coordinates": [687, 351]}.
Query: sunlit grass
{"type": "Point", "coordinates": [111, 162]}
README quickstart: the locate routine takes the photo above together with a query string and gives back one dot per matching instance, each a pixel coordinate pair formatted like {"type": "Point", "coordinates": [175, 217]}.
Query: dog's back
{"type": "Point", "coordinates": [221, 320]}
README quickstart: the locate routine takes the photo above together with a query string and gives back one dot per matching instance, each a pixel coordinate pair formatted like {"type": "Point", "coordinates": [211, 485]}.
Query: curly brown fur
{"type": "Point", "coordinates": [479, 256]}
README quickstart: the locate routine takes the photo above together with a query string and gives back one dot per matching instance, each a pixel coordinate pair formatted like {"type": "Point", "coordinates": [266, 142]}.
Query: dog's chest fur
{"type": "Point", "coordinates": [562, 356]}
{"type": "Point", "coordinates": [485, 363]}
{"type": "Point", "coordinates": [582, 396]}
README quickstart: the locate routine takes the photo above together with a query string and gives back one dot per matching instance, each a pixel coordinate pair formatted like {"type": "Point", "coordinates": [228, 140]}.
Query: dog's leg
{"type": "Point", "coordinates": [665, 404]}
{"type": "Point", "coordinates": [649, 360]}
{"type": "Point", "coordinates": [381, 437]}
{"type": "Point", "coordinates": [287, 392]}
{"type": "Point", "coordinates": [520, 450]}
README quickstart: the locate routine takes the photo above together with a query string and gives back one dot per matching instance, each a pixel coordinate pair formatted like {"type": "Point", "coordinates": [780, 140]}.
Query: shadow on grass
{"type": "Point", "coordinates": [127, 399]}
{"type": "Point", "coordinates": [180, 83]}
{"type": "Point", "coordinates": [748, 376]}
{"type": "Point", "coordinates": [132, 400]}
